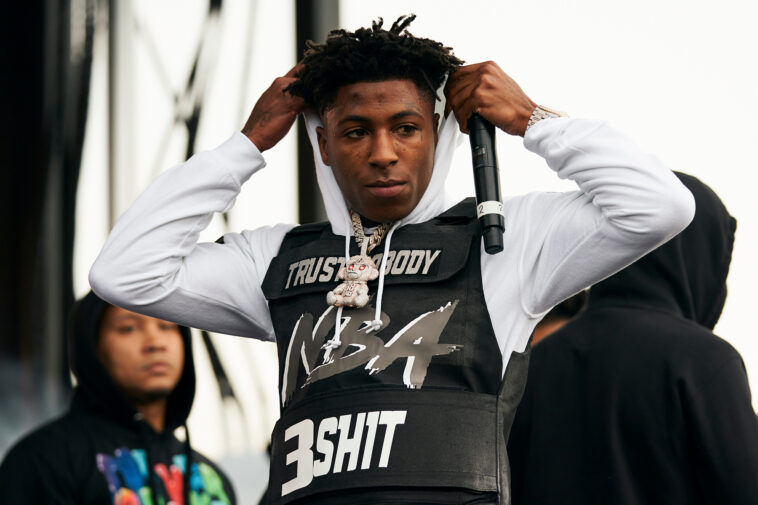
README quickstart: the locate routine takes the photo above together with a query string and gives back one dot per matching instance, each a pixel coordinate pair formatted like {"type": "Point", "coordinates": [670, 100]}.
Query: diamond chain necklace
{"type": "Point", "coordinates": [367, 245]}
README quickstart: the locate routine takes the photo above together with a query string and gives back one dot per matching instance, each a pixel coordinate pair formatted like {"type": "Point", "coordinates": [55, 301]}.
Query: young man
{"type": "Point", "coordinates": [398, 337]}
{"type": "Point", "coordinates": [636, 400]}
{"type": "Point", "coordinates": [135, 384]}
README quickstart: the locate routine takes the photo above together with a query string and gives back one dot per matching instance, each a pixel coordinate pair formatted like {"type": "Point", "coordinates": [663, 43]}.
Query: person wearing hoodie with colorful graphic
{"type": "Point", "coordinates": [636, 400]}
{"type": "Point", "coordinates": [401, 342]}
{"type": "Point", "coordinates": [116, 443]}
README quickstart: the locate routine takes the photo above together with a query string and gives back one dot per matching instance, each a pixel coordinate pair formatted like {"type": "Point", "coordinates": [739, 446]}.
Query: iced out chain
{"type": "Point", "coordinates": [375, 239]}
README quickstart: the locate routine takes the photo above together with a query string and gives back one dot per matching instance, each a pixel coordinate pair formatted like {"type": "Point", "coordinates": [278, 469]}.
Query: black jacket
{"type": "Point", "coordinates": [636, 401]}
{"type": "Point", "coordinates": [98, 452]}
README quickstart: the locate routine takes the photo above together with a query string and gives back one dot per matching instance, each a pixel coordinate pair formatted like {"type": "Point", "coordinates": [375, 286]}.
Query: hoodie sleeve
{"type": "Point", "coordinates": [151, 262]}
{"type": "Point", "coordinates": [628, 203]}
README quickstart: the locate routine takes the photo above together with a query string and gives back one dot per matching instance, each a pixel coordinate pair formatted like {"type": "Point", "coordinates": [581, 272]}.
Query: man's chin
{"type": "Point", "coordinates": [154, 395]}
{"type": "Point", "coordinates": [386, 214]}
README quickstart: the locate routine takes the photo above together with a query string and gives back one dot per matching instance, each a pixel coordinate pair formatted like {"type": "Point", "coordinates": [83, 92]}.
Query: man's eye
{"type": "Point", "coordinates": [356, 133]}
{"type": "Point", "coordinates": [169, 326]}
{"type": "Point", "coordinates": [407, 129]}
{"type": "Point", "coordinates": [124, 330]}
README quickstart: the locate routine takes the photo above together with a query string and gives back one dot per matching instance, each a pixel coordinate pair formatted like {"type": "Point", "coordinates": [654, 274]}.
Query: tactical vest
{"type": "Point", "coordinates": [418, 403]}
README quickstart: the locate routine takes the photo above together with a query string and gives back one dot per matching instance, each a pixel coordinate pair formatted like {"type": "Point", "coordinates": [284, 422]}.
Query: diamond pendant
{"type": "Point", "coordinates": [353, 292]}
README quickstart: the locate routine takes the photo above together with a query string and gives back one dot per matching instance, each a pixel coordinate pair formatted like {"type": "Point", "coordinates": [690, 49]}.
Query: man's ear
{"type": "Point", "coordinates": [436, 128]}
{"type": "Point", "coordinates": [321, 135]}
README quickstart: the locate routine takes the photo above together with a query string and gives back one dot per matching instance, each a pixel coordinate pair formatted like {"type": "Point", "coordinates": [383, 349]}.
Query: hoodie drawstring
{"type": "Point", "coordinates": [144, 433]}
{"type": "Point", "coordinates": [335, 341]}
{"type": "Point", "coordinates": [188, 465]}
{"type": "Point", "coordinates": [143, 430]}
{"type": "Point", "coordinates": [377, 322]}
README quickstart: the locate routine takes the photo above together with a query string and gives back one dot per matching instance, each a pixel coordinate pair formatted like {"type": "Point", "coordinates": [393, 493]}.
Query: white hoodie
{"type": "Point", "coordinates": [556, 244]}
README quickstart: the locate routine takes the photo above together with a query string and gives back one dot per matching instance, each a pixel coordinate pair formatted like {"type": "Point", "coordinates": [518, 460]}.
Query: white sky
{"type": "Point", "coordinates": [678, 77]}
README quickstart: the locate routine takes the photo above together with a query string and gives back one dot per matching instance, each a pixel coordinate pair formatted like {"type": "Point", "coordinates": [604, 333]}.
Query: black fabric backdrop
{"type": "Point", "coordinates": [45, 85]}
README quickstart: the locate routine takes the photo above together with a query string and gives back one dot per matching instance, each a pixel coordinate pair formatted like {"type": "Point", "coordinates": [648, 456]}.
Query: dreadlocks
{"type": "Point", "coordinates": [371, 55]}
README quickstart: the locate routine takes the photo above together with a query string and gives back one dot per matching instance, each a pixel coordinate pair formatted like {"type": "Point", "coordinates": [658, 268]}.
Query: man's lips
{"type": "Point", "coordinates": [385, 189]}
{"type": "Point", "coordinates": [159, 367]}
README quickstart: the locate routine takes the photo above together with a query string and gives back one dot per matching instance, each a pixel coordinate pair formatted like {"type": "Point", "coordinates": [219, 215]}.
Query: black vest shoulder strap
{"type": "Point", "coordinates": [304, 234]}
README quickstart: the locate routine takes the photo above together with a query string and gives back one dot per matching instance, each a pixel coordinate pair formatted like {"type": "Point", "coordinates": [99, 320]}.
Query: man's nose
{"type": "Point", "coordinates": [155, 340]}
{"type": "Point", "coordinates": [383, 154]}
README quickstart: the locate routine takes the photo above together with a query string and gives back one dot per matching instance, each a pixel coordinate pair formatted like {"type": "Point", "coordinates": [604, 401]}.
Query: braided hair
{"type": "Point", "coordinates": [371, 55]}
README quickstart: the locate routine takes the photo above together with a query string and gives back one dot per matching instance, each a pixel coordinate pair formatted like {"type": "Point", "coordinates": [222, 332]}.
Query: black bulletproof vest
{"type": "Point", "coordinates": [419, 402]}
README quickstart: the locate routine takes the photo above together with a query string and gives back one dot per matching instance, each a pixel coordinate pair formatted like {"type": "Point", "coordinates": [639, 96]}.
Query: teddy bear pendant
{"type": "Point", "coordinates": [359, 269]}
{"type": "Point", "coordinates": [353, 292]}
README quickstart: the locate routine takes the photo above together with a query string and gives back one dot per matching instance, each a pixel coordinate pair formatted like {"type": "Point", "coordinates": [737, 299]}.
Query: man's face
{"type": "Point", "coordinates": [379, 139]}
{"type": "Point", "coordinates": [144, 356]}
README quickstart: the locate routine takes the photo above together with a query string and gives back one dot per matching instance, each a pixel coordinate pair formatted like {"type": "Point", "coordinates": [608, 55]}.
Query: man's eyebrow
{"type": "Point", "coordinates": [351, 118]}
{"type": "Point", "coordinates": [364, 119]}
{"type": "Point", "coordinates": [124, 317]}
{"type": "Point", "coordinates": [407, 112]}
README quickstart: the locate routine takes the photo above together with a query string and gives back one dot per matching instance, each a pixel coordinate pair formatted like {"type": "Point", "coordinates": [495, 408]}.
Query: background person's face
{"type": "Point", "coordinates": [144, 356]}
{"type": "Point", "coordinates": [379, 139]}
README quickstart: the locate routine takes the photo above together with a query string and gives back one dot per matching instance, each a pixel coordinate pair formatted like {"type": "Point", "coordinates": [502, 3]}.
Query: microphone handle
{"type": "Point", "coordinates": [489, 207]}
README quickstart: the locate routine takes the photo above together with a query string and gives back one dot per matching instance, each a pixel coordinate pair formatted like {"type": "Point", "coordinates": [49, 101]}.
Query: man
{"type": "Point", "coordinates": [116, 443]}
{"type": "Point", "coordinates": [398, 337]}
{"type": "Point", "coordinates": [636, 400]}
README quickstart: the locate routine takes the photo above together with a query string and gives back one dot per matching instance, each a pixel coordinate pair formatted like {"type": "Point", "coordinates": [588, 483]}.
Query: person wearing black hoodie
{"type": "Point", "coordinates": [636, 401]}
{"type": "Point", "coordinates": [135, 386]}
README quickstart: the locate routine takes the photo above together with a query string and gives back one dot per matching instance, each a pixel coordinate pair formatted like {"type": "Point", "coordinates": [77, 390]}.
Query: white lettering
{"type": "Point", "coordinates": [348, 445]}
{"type": "Point", "coordinates": [324, 446]}
{"type": "Point", "coordinates": [328, 269]}
{"type": "Point", "coordinates": [372, 419]}
{"type": "Point", "coordinates": [414, 264]}
{"type": "Point", "coordinates": [391, 418]}
{"type": "Point", "coordinates": [302, 269]}
{"type": "Point", "coordinates": [401, 261]}
{"type": "Point", "coordinates": [293, 266]}
{"type": "Point", "coordinates": [377, 259]}
{"type": "Point", "coordinates": [314, 268]}
{"type": "Point", "coordinates": [310, 466]}
{"type": "Point", "coordinates": [390, 259]}
{"type": "Point", "coordinates": [429, 260]}
{"type": "Point", "coordinates": [302, 456]}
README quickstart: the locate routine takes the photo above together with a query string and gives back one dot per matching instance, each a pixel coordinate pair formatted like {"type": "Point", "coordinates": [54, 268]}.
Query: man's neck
{"type": "Point", "coordinates": [368, 223]}
{"type": "Point", "coordinates": [154, 413]}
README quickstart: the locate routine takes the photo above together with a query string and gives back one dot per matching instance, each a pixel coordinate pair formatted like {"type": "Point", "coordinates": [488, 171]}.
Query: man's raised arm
{"type": "Point", "coordinates": [628, 202]}
{"type": "Point", "coordinates": [152, 263]}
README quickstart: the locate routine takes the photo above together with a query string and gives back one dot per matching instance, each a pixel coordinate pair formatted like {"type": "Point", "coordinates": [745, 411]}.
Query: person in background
{"type": "Point", "coordinates": [116, 444]}
{"type": "Point", "coordinates": [636, 400]}
{"type": "Point", "coordinates": [559, 316]}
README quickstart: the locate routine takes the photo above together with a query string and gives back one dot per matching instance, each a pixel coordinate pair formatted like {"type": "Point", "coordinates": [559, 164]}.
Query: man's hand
{"type": "Point", "coordinates": [274, 113]}
{"type": "Point", "coordinates": [483, 88]}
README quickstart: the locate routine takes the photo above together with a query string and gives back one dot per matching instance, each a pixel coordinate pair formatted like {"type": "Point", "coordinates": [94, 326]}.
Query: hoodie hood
{"type": "Point", "coordinates": [686, 275]}
{"type": "Point", "coordinates": [94, 385]}
{"type": "Point", "coordinates": [434, 201]}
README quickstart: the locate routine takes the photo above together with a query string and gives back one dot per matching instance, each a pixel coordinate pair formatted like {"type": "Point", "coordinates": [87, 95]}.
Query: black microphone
{"type": "Point", "coordinates": [489, 206]}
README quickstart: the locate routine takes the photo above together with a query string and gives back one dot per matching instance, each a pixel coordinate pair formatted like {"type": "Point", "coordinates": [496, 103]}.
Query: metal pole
{"type": "Point", "coordinates": [121, 186]}
{"type": "Point", "coordinates": [314, 19]}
